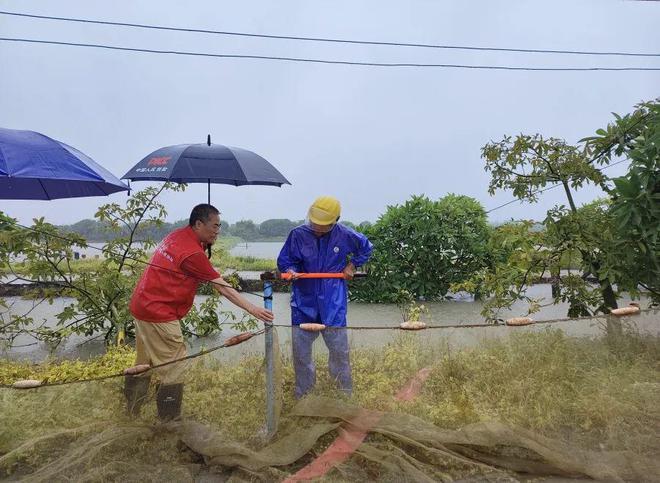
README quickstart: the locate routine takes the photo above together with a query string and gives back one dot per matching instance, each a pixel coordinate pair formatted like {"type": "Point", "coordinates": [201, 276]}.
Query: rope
{"type": "Point", "coordinates": [468, 326]}
{"type": "Point", "coordinates": [121, 374]}
{"type": "Point", "coordinates": [225, 345]}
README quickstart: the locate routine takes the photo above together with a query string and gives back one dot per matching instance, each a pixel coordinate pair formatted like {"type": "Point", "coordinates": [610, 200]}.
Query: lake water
{"type": "Point", "coordinates": [250, 249]}
{"type": "Point", "coordinates": [257, 249]}
{"type": "Point", "coordinates": [94, 250]}
{"type": "Point", "coordinates": [360, 315]}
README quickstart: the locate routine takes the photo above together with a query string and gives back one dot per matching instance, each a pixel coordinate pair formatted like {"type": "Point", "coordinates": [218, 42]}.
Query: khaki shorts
{"type": "Point", "coordinates": [159, 343]}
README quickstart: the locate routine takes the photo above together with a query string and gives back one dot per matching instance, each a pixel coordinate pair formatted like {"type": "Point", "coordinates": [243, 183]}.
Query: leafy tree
{"type": "Point", "coordinates": [515, 253]}
{"type": "Point", "coordinates": [47, 253]}
{"type": "Point", "coordinates": [529, 163]}
{"type": "Point", "coordinates": [90, 230]}
{"type": "Point", "coordinates": [603, 236]}
{"type": "Point", "coordinates": [245, 229]}
{"type": "Point", "coordinates": [423, 246]}
{"type": "Point", "coordinates": [100, 296]}
{"type": "Point", "coordinates": [224, 228]}
{"type": "Point", "coordinates": [278, 227]}
{"type": "Point", "coordinates": [100, 231]}
{"type": "Point", "coordinates": [634, 260]}
{"type": "Point", "coordinates": [364, 226]}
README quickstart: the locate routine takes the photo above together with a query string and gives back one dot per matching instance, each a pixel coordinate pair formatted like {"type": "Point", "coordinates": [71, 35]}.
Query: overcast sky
{"type": "Point", "coordinates": [370, 136]}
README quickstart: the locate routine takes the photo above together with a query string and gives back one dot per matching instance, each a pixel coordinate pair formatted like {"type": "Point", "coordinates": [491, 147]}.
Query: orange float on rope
{"type": "Point", "coordinates": [517, 321]}
{"type": "Point", "coordinates": [237, 339]}
{"type": "Point", "coordinates": [140, 368]}
{"type": "Point", "coordinates": [311, 327]}
{"type": "Point", "coordinates": [26, 384]}
{"type": "Point", "coordinates": [417, 325]}
{"type": "Point", "coordinates": [630, 310]}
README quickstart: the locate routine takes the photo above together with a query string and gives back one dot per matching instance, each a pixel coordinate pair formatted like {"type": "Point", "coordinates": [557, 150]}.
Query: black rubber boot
{"type": "Point", "coordinates": [135, 390]}
{"type": "Point", "coordinates": [169, 399]}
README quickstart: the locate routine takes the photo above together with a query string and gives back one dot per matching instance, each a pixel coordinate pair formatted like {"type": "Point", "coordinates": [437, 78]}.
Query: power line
{"type": "Point", "coordinates": [549, 188]}
{"type": "Point", "coordinates": [517, 200]}
{"type": "Point", "coordinates": [329, 40]}
{"type": "Point", "coordinates": [323, 61]}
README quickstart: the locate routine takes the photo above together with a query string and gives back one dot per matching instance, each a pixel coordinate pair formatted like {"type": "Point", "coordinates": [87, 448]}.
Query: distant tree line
{"type": "Point", "coordinates": [248, 230]}
{"type": "Point", "coordinates": [100, 231]}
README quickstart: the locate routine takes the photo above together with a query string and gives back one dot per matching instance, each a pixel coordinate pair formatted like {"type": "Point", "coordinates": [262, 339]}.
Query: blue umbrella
{"type": "Point", "coordinates": [36, 167]}
{"type": "Point", "coordinates": [206, 163]}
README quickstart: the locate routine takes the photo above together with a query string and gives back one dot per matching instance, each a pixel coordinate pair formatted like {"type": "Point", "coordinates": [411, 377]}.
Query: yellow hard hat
{"type": "Point", "coordinates": [324, 211]}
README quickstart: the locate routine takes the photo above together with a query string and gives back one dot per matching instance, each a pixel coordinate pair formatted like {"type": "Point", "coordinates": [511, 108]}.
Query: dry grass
{"type": "Point", "coordinates": [592, 393]}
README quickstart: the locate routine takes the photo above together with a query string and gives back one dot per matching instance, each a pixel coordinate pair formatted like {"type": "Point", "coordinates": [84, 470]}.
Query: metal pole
{"type": "Point", "coordinates": [270, 365]}
{"type": "Point", "coordinates": [208, 248]}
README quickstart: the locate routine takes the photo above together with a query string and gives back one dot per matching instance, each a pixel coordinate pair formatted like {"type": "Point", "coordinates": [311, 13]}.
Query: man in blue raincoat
{"type": "Point", "coordinates": [322, 245]}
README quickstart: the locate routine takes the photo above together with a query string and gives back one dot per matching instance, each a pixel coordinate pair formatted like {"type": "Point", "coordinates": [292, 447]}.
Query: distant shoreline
{"type": "Point", "coordinates": [248, 285]}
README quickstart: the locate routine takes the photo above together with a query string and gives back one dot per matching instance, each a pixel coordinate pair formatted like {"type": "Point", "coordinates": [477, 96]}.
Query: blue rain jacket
{"type": "Point", "coordinates": [322, 300]}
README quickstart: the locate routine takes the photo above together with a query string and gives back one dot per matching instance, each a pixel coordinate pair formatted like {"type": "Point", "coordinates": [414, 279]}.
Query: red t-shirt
{"type": "Point", "coordinates": [198, 266]}
{"type": "Point", "coordinates": [166, 290]}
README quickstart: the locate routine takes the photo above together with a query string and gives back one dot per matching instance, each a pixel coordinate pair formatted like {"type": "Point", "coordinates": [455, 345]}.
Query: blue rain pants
{"type": "Point", "coordinates": [336, 340]}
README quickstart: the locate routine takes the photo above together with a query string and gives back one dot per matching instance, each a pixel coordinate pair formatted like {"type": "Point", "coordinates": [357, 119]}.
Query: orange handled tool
{"type": "Point", "coordinates": [287, 276]}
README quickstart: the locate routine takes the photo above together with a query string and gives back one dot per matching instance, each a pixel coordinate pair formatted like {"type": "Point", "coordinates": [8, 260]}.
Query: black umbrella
{"type": "Point", "coordinates": [206, 163]}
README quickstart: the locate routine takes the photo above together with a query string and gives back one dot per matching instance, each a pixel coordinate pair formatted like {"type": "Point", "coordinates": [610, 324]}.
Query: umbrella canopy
{"type": "Point", "coordinates": [206, 163]}
{"type": "Point", "coordinates": [36, 167]}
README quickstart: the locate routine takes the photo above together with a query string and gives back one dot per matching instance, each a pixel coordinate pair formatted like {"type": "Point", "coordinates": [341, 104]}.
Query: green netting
{"type": "Point", "coordinates": [530, 403]}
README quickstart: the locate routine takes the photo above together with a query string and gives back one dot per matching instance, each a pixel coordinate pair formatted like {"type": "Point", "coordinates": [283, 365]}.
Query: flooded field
{"type": "Point", "coordinates": [454, 312]}
{"type": "Point", "coordinates": [268, 250]}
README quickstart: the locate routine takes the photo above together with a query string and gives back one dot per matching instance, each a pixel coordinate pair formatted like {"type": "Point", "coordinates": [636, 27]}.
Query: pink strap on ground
{"type": "Point", "coordinates": [351, 437]}
{"type": "Point", "coordinates": [412, 389]}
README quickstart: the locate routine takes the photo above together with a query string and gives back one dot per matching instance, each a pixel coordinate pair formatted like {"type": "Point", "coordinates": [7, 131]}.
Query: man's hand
{"type": "Point", "coordinates": [235, 298]}
{"type": "Point", "coordinates": [294, 275]}
{"type": "Point", "coordinates": [262, 314]}
{"type": "Point", "coordinates": [349, 271]}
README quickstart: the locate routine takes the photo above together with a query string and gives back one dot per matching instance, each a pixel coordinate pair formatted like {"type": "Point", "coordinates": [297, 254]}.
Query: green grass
{"type": "Point", "coordinates": [602, 393]}
{"type": "Point", "coordinates": [245, 263]}
{"type": "Point", "coordinates": [222, 259]}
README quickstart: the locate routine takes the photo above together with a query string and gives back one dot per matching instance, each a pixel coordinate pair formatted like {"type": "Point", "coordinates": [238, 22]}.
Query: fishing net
{"type": "Point", "coordinates": [503, 404]}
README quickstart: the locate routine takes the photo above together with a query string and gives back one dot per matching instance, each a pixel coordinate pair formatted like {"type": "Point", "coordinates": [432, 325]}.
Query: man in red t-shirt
{"type": "Point", "coordinates": [164, 295]}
